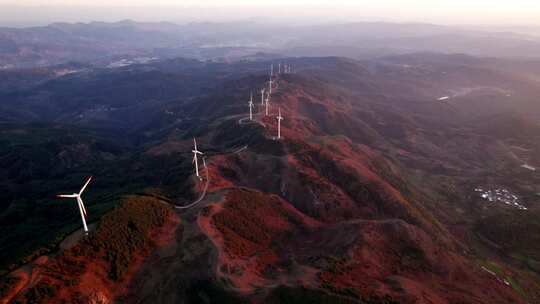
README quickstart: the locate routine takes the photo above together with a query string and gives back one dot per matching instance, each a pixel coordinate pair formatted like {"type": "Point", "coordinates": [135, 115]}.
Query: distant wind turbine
{"type": "Point", "coordinates": [267, 101]}
{"type": "Point", "coordinates": [270, 86]}
{"type": "Point", "coordinates": [80, 203]}
{"type": "Point", "coordinates": [279, 119]}
{"type": "Point", "coordinates": [279, 70]}
{"type": "Point", "coordinates": [195, 160]}
{"type": "Point", "coordinates": [271, 70]}
{"type": "Point", "coordinates": [262, 96]}
{"type": "Point", "coordinates": [250, 104]}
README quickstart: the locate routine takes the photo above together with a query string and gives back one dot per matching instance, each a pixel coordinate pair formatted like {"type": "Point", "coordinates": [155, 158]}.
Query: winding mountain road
{"type": "Point", "coordinates": [241, 121]}
{"type": "Point", "coordinates": [203, 194]}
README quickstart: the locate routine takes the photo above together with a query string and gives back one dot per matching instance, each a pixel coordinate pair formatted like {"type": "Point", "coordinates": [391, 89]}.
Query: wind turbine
{"type": "Point", "coordinates": [80, 203]}
{"type": "Point", "coordinates": [250, 104]}
{"type": "Point", "coordinates": [279, 70]}
{"type": "Point", "coordinates": [266, 104]}
{"type": "Point", "coordinates": [195, 153]}
{"type": "Point", "coordinates": [279, 119]}
{"type": "Point", "coordinates": [270, 86]}
{"type": "Point", "coordinates": [271, 70]}
{"type": "Point", "coordinates": [262, 96]}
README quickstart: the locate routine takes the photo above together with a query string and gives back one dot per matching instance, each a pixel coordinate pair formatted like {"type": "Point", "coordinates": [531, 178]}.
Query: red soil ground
{"type": "Point", "coordinates": [379, 257]}
{"type": "Point", "coordinates": [395, 258]}
{"type": "Point", "coordinates": [77, 277]}
{"type": "Point", "coordinates": [246, 228]}
{"type": "Point", "coordinates": [368, 238]}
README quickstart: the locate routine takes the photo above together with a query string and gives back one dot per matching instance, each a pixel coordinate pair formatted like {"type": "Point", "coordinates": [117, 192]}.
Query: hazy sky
{"type": "Point", "coordinates": [501, 12]}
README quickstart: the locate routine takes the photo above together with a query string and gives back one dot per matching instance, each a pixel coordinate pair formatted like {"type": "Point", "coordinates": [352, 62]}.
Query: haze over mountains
{"type": "Point", "coordinates": [99, 42]}
{"type": "Point", "coordinates": [407, 172]}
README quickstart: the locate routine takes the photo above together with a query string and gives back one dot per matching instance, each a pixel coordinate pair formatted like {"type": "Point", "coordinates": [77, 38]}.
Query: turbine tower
{"type": "Point", "coordinates": [262, 96]}
{"type": "Point", "coordinates": [271, 70]}
{"type": "Point", "coordinates": [270, 86]}
{"type": "Point", "coordinates": [80, 203]}
{"type": "Point", "coordinates": [195, 160]}
{"type": "Point", "coordinates": [266, 104]}
{"type": "Point", "coordinates": [279, 119]}
{"type": "Point", "coordinates": [250, 104]}
{"type": "Point", "coordinates": [279, 69]}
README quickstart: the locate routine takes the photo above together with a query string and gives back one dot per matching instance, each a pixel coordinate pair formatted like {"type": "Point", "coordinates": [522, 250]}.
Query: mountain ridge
{"type": "Point", "coordinates": [364, 194]}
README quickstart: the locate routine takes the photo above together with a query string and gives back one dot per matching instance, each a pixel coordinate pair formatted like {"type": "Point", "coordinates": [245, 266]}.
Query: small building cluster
{"type": "Point", "coordinates": [501, 195]}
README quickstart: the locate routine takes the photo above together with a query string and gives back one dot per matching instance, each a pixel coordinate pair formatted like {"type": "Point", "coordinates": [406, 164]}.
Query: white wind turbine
{"type": "Point", "coordinates": [250, 104]}
{"type": "Point", "coordinates": [195, 160]}
{"type": "Point", "coordinates": [279, 69]}
{"type": "Point", "coordinates": [279, 119]}
{"type": "Point", "coordinates": [80, 203]}
{"type": "Point", "coordinates": [262, 96]}
{"type": "Point", "coordinates": [267, 101]}
{"type": "Point", "coordinates": [271, 70]}
{"type": "Point", "coordinates": [270, 82]}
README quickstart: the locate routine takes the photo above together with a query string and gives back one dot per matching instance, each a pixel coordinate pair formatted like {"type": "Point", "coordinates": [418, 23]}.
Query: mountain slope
{"type": "Point", "coordinates": [369, 197]}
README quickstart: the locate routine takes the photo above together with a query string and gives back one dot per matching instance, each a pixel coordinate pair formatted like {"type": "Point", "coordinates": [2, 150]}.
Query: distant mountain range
{"type": "Point", "coordinates": [105, 43]}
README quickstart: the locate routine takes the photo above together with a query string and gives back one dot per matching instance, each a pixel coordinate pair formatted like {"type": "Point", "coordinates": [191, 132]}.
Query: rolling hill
{"type": "Point", "coordinates": [371, 196]}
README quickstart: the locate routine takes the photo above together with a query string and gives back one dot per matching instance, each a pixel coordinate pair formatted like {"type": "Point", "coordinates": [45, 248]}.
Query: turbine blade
{"type": "Point", "coordinates": [85, 185]}
{"type": "Point", "coordinates": [82, 214]}
{"type": "Point", "coordinates": [82, 206]}
{"type": "Point", "coordinates": [67, 195]}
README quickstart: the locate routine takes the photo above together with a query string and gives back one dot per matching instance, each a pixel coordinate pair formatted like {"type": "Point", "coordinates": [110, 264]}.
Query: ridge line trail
{"type": "Point", "coordinates": [241, 121]}
{"type": "Point", "coordinates": [203, 194]}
